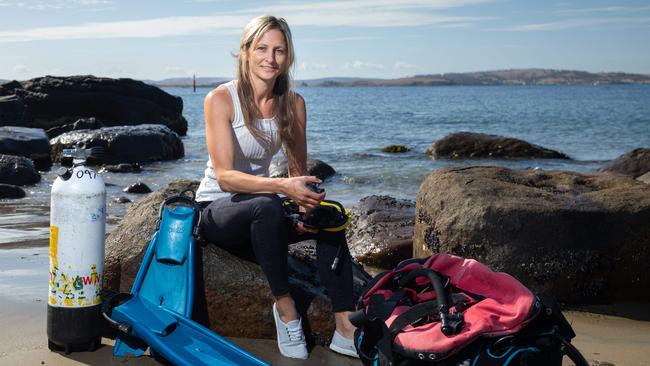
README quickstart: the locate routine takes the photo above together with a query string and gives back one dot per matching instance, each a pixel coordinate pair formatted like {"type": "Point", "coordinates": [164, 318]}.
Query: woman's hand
{"type": "Point", "coordinates": [296, 189]}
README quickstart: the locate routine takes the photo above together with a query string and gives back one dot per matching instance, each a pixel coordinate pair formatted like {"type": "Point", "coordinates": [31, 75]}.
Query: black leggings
{"type": "Point", "coordinates": [243, 222]}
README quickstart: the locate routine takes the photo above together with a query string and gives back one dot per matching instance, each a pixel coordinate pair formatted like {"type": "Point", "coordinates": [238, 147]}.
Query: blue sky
{"type": "Point", "coordinates": [367, 38]}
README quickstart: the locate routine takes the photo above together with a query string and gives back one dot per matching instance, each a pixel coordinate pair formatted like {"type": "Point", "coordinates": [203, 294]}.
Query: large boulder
{"type": "Point", "coordinates": [315, 167]}
{"type": "Point", "coordinates": [583, 237]}
{"type": "Point", "coordinates": [51, 101]}
{"type": "Point", "coordinates": [123, 144]}
{"type": "Point", "coordinates": [380, 233]}
{"type": "Point", "coordinates": [10, 191]}
{"type": "Point", "coordinates": [234, 291]}
{"type": "Point", "coordinates": [29, 142]}
{"type": "Point", "coordinates": [18, 170]}
{"type": "Point", "coordinates": [634, 163]}
{"type": "Point", "coordinates": [91, 123]}
{"type": "Point", "coordinates": [471, 145]}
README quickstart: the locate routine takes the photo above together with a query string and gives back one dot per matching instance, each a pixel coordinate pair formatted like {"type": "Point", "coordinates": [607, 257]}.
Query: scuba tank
{"type": "Point", "coordinates": [77, 232]}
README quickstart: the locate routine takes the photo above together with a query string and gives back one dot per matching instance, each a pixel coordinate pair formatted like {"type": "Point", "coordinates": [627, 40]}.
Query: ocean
{"type": "Point", "coordinates": [348, 127]}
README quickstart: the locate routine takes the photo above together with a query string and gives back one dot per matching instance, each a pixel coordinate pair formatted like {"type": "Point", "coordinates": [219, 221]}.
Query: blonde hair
{"type": "Point", "coordinates": [286, 98]}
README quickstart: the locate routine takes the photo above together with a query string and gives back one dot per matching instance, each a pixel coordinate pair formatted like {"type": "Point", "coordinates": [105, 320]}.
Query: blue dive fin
{"type": "Point", "coordinates": [157, 314]}
{"type": "Point", "coordinates": [178, 339]}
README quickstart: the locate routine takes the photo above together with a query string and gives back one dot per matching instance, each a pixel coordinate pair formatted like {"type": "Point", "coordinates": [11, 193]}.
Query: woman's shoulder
{"type": "Point", "coordinates": [220, 99]}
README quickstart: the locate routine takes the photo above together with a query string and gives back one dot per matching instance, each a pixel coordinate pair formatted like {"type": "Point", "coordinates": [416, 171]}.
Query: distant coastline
{"type": "Point", "coordinates": [499, 77]}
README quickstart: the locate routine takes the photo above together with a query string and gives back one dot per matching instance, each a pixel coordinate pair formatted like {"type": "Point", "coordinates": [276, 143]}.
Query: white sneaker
{"type": "Point", "coordinates": [291, 339]}
{"type": "Point", "coordinates": [343, 345]}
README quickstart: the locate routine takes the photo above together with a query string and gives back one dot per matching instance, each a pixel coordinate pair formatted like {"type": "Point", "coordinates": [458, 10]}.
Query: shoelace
{"type": "Point", "coordinates": [295, 334]}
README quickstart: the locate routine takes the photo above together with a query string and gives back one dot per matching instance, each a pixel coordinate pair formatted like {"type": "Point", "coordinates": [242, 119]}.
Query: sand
{"type": "Point", "coordinates": [622, 340]}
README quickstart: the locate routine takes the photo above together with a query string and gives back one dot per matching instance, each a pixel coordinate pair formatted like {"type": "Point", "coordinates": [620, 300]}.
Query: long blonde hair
{"type": "Point", "coordinates": [285, 118]}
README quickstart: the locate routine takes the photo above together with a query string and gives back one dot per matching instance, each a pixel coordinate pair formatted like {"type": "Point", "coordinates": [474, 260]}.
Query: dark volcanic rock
{"type": "Point", "coordinates": [470, 145]}
{"type": "Point", "coordinates": [29, 142]}
{"type": "Point", "coordinates": [583, 237]}
{"type": "Point", "coordinates": [80, 124]}
{"type": "Point", "coordinates": [124, 144]}
{"type": "Point", "coordinates": [10, 191]}
{"type": "Point", "coordinates": [122, 199]}
{"type": "Point", "coordinates": [315, 167]}
{"type": "Point", "coordinates": [396, 149]}
{"type": "Point", "coordinates": [380, 233]}
{"type": "Point", "coordinates": [18, 170]}
{"type": "Point", "coordinates": [51, 101]}
{"type": "Point", "coordinates": [235, 291]}
{"type": "Point", "coordinates": [121, 168]}
{"type": "Point", "coordinates": [137, 188]}
{"type": "Point", "coordinates": [634, 163]}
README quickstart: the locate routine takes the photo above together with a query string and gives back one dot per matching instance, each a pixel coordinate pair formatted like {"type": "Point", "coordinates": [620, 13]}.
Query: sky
{"type": "Point", "coordinates": [157, 39]}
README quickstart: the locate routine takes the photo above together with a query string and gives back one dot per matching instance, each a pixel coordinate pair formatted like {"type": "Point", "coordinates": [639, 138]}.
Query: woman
{"type": "Point", "coordinates": [246, 122]}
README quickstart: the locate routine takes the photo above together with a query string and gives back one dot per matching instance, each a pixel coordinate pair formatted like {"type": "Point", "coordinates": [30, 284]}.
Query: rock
{"type": "Point", "coordinates": [80, 124]}
{"type": "Point", "coordinates": [123, 144]}
{"type": "Point", "coordinates": [11, 191]}
{"type": "Point", "coordinates": [9, 87]}
{"type": "Point", "coordinates": [396, 149]}
{"type": "Point", "coordinates": [583, 237]}
{"type": "Point", "coordinates": [18, 170]}
{"type": "Point", "coordinates": [380, 233]}
{"type": "Point", "coordinates": [600, 363]}
{"type": "Point", "coordinates": [29, 142]}
{"type": "Point", "coordinates": [121, 168]}
{"type": "Point", "coordinates": [234, 291]}
{"type": "Point", "coordinates": [51, 101]}
{"type": "Point", "coordinates": [634, 163]}
{"type": "Point", "coordinates": [121, 199]}
{"type": "Point", "coordinates": [318, 168]}
{"type": "Point", "coordinates": [645, 178]}
{"type": "Point", "coordinates": [137, 188]}
{"type": "Point", "coordinates": [470, 145]}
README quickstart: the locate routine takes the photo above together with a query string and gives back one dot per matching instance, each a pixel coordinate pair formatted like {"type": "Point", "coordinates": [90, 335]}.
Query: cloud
{"type": "Point", "coordinates": [312, 66]}
{"type": "Point", "coordinates": [54, 4]}
{"type": "Point", "coordinates": [338, 39]}
{"type": "Point", "coordinates": [403, 65]}
{"type": "Point", "coordinates": [362, 65]}
{"type": "Point", "coordinates": [579, 23]}
{"type": "Point", "coordinates": [356, 14]}
{"type": "Point", "coordinates": [22, 69]}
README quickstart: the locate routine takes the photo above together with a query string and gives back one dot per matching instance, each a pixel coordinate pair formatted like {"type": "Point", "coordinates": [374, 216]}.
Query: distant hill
{"type": "Point", "coordinates": [500, 77]}
{"type": "Point", "coordinates": [187, 82]}
{"type": "Point", "coordinates": [2, 81]}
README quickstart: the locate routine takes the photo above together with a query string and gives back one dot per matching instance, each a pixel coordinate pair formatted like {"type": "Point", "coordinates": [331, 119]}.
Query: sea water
{"type": "Point", "coordinates": [348, 127]}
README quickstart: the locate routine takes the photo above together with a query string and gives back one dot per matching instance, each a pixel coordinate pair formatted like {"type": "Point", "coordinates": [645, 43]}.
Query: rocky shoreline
{"type": "Point", "coordinates": [582, 237]}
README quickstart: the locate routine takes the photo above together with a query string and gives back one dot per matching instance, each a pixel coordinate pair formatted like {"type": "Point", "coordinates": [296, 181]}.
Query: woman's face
{"type": "Point", "coordinates": [267, 59]}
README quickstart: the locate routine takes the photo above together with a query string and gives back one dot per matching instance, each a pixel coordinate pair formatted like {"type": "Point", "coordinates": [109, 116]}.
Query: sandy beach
{"type": "Point", "coordinates": [622, 339]}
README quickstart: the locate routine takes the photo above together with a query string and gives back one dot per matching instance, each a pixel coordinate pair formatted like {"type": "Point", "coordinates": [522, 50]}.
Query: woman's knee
{"type": "Point", "coordinates": [267, 207]}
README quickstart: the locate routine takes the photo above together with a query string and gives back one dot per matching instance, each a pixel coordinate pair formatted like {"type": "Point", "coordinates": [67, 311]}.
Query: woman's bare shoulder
{"type": "Point", "coordinates": [219, 99]}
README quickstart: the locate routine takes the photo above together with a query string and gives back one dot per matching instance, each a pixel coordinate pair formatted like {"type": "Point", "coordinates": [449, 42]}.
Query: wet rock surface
{"type": "Point", "coordinates": [80, 124]}
{"type": "Point", "coordinates": [50, 101]}
{"type": "Point", "coordinates": [121, 168]}
{"type": "Point", "coordinates": [234, 298]}
{"type": "Point", "coordinates": [11, 191]}
{"type": "Point", "coordinates": [18, 170]}
{"type": "Point", "coordinates": [138, 187]}
{"type": "Point", "coordinates": [583, 237]}
{"type": "Point", "coordinates": [471, 145]}
{"type": "Point", "coordinates": [396, 149]}
{"type": "Point", "coordinates": [380, 233]}
{"type": "Point", "coordinates": [29, 142]}
{"type": "Point", "coordinates": [123, 144]}
{"type": "Point", "coordinates": [634, 163]}
{"type": "Point", "coordinates": [315, 167]}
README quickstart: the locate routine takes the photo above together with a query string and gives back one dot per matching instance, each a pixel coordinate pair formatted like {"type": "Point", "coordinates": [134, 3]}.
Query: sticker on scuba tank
{"type": "Point", "coordinates": [54, 242]}
{"type": "Point", "coordinates": [70, 290]}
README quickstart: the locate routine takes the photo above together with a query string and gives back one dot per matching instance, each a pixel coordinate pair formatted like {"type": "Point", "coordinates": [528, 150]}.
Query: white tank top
{"type": "Point", "coordinates": [251, 156]}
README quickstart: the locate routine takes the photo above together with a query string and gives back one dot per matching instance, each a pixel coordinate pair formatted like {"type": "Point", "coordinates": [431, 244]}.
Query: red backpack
{"type": "Point", "coordinates": [447, 310]}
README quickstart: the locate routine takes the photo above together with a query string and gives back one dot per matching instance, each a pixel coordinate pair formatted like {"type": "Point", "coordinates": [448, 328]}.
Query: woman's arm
{"type": "Point", "coordinates": [220, 138]}
{"type": "Point", "coordinates": [300, 139]}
